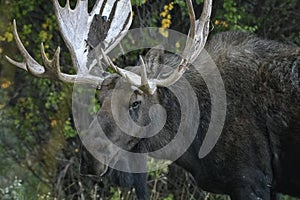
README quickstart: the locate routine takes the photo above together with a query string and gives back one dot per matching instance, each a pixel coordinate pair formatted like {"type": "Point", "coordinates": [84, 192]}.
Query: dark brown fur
{"type": "Point", "coordinates": [258, 153]}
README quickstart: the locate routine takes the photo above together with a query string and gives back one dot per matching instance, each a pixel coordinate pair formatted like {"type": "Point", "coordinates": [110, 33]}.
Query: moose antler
{"type": "Point", "coordinates": [198, 34]}
{"type": "Point", "coordinates": [199, 30]}
{"type": "Point", "coordinates": [81, 31]}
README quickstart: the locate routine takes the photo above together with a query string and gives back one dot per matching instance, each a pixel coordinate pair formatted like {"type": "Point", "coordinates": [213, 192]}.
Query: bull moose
{"type": "Point", "coordinates": [258, 152]}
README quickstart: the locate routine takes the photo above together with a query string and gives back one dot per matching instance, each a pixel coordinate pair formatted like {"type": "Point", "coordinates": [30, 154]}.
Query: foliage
{"type": "Point", "coordinates": [182, 4]}
{"type": "Point", "coordinates": [231, 17]}
{"type": "Point", "coordinates": [14, 191]}
{"type": "Point", "coordinates": [138, 2]}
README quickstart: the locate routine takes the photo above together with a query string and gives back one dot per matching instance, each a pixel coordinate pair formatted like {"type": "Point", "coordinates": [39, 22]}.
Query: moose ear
{"type": "Point", "coordinates": [154, 58]}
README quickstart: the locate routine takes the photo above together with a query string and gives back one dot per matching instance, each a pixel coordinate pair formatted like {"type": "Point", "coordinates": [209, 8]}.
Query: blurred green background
{"type": "Point", "coordinates": [40, 153]}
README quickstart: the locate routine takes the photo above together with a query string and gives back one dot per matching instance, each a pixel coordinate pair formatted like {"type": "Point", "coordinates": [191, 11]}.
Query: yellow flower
{"type": "Point", "coordinates": [45, 25]}
{"type": "Point", "coordinates": [76, 150]}
{"type": "Point", "coordinates": [53, 123]}
{"type": "Point", "coordinates": [164, 32]}
{"type": "Point", "coordinates": [164, 26]}
{"type": "Point", "coordinates": [165, 23]}
{"type": "Point", "coordinates": [217, 22]}
{"type": "Point", "coordinates": [171, 6]}
{"type": "Point", "coordinates": [5, 84]}
{"type": "Point", "coordinates": [224, 24]}
{"type": "Point", "coordinates": [177, 45]}
{"type": "Point", "coordinates": [163, 14]}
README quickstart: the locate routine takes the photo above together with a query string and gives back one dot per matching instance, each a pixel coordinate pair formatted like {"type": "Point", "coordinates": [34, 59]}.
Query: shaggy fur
{"type": "Point", "coordinates": [258, 153]}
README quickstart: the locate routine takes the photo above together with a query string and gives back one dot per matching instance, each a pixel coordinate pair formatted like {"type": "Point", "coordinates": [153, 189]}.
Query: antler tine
{"type": "Point", "coordinates": [191, 35]}
{"type": "Point", "coordinates": [130, 77]}
{"type": "Point", "coordinates": [195, 42]}
{"type": "Point", "coordinates": [199, 30]}
{"type": "Point", "coordinates": [144, 78]}
{"type": "Point", "coordinates": [68, 4]}
{"type": "Point", "coordinates": [21, 65]}
{"type": "Point", "coordinates": [29, 64]}
{"type": "Point", "coordinates": [95, 7]}
{"type": "Point", "coordinates": [183, 65]}
{"type": "Point", "coordinates": [51, 68]}
{"type": "Point", "coordinates": [202, 30]}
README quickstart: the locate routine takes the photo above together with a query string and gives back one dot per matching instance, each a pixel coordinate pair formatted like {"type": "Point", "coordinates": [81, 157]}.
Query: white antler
{"type": "Point", "coordinates": [195, 43]}
{"type": "Point", "coordinates": [198, 34]}
{"type": "Point", "coordinates": [81, 31]}
{"type": "Point", "coordinates": [105, 25]}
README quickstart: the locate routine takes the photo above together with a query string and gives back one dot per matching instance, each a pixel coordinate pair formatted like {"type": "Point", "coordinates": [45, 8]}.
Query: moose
{"type": "Point", "coordinates": [257, 154]}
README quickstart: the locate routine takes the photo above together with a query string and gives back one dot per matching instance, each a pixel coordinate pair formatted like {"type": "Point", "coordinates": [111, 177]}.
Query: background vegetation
{"type": "Point", "coordinates": [40, 154]}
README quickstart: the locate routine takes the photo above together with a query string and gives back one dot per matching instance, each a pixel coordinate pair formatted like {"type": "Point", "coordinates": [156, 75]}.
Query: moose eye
{"type": "Point", "coordinates": [135, 104]}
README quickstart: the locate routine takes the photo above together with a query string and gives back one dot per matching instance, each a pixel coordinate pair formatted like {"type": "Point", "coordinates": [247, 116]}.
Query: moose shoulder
{"type": "Point", "coordinates": [258, 151]}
